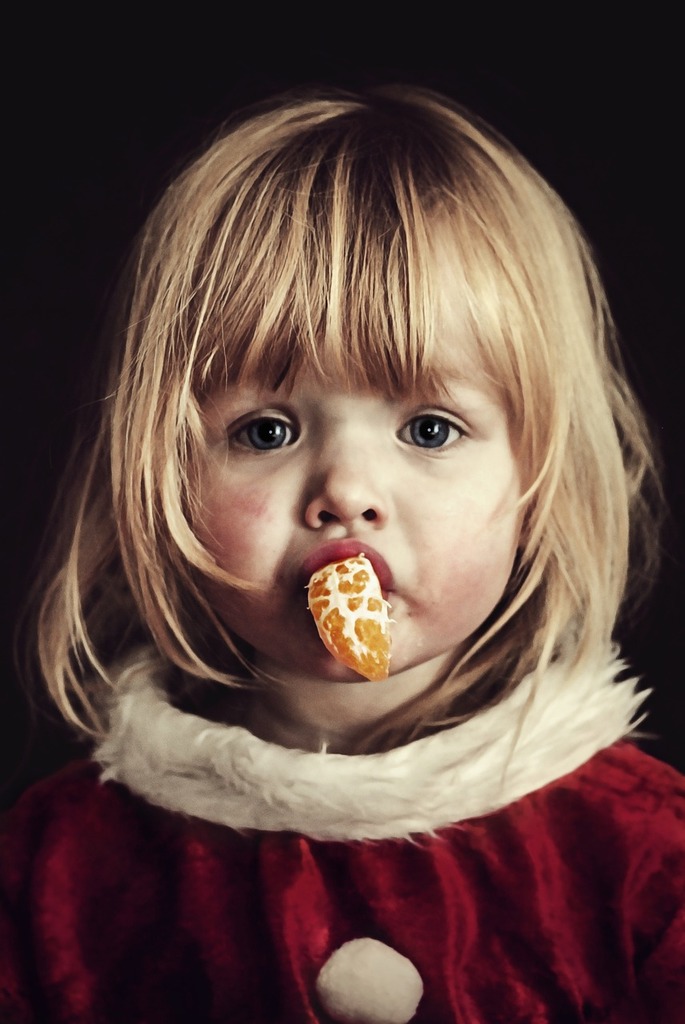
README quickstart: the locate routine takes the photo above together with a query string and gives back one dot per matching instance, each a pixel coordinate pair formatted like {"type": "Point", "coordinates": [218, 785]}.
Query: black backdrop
{"type": "Point", "coordinates": [93, 126]}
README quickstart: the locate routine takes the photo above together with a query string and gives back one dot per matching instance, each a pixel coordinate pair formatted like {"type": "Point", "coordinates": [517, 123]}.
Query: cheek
{"type": "Point", "coordinates": [472, 569]}
{"type": "Point", "coordinates": [233, 522]}
{"type": "Point", "coordinates": [248, 506]}
{"type": "Point", "coordinates": [476, 586]}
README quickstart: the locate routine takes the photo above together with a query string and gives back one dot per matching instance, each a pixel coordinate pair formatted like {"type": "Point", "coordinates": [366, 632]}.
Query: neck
{"type": "Point", "coordinates": [308, 714]}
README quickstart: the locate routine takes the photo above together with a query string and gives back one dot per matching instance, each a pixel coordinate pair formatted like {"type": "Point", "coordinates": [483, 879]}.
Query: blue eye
{"type": "Point", "coordinates": [430, 431]}
{"type": "Point", "coordinates": [265, 434]}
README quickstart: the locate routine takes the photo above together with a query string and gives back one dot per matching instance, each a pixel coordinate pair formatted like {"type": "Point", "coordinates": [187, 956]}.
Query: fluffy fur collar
{"type": "Point", "coordinates": [227, 775]}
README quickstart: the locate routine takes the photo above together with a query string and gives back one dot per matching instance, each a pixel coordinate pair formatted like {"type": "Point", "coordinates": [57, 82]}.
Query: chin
{"type": "Point", "coordinates": [328, 670]}
{"type": "Point", "coordinates": [311, 663]}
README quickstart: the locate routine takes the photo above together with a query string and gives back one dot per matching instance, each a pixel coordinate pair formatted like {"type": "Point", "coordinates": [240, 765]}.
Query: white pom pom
{"type": "Point", "coordinates": [367, 982]}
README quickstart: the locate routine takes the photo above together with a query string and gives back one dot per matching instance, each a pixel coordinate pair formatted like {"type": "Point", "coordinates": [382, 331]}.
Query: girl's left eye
{"type": "Point", "coordinates": [265, 434]}
{"type": "Point", "coordinates": [431, 431]}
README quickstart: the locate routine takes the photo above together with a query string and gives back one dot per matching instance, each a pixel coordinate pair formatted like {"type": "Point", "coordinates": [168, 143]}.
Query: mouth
{"type": "Point", "coordinates": [337, 550]}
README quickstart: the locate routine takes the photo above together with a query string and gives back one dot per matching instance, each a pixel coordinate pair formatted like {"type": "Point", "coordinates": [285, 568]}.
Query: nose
{"type": "Point", "coordinates": [347, 491]}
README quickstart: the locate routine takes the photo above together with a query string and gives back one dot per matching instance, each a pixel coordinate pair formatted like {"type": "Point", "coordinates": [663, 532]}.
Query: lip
{"type": "Point", "coordinates": [337, 550]}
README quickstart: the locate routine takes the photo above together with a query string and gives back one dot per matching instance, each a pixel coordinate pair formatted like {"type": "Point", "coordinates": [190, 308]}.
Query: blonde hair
{"type": "Point", "coordinates": [304, 236]}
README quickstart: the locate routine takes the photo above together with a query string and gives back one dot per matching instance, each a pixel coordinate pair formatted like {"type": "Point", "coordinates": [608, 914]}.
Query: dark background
{"type": "Point", "coordinates": [95, 122]}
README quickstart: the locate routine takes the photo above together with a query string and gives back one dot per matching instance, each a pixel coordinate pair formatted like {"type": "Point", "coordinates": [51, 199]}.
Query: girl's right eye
{"type": "Point", "coordinates": [264, 434]}
{"type": "Point", "coordinates": [431, 431]}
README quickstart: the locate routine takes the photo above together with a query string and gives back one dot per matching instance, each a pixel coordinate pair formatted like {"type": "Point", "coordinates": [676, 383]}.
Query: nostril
{"type": "Point", "coordinates": [324, 516]}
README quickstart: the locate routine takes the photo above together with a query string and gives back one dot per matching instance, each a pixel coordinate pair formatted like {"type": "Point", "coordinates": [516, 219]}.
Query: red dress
{"type": "Point", "coordinates": [563, 904]}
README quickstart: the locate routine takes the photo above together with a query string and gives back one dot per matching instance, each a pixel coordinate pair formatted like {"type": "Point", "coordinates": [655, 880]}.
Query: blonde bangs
{"type": "Point", "coordinates": [322, 260]}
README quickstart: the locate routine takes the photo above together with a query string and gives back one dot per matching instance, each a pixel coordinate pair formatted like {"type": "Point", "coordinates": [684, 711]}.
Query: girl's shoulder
{"type": "Point", "coordinates": [77, 785]}
{"type": "Point", "coordinates": [73, 822]}
{"type": "Point", "coordinates": [76, 818]}
{"type": "Point", "coordinates": [638, 783]}
{"type": "Point", "coordinates": [61, 811]}
{"type": "Point", "coordinates": [622, 808]}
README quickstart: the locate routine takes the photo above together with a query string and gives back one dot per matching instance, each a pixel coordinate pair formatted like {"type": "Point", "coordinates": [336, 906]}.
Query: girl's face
{"type": "Point", "coordinates": [427, 486]}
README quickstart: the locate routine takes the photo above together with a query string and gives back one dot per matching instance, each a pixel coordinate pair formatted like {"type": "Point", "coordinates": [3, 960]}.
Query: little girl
{"type": "Point", "coordinates": [356, 325]}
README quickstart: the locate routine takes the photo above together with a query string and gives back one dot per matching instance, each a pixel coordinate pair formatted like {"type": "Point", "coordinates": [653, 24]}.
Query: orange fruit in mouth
{"type": "Point", "coordinates": [351, 615]}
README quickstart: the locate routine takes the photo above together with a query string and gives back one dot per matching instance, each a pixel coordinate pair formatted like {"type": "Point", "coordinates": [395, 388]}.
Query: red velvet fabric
{"type": "Point", "coordinates": [566, 906]}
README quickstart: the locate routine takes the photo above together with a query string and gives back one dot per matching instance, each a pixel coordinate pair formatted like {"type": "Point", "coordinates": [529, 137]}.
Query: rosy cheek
{"type": "Point", "coordinates": [475, 581]}
{"type": "Point", "coordinates": [250, 506]}
{"type": "Point", "coordinates": [230, 518]}
{"type": "Point", "coordinates": [236, 508]}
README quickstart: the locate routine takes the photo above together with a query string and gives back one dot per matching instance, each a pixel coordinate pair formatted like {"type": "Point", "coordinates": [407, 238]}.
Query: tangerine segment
{"type": "Point", "coordinates": [351, 615]}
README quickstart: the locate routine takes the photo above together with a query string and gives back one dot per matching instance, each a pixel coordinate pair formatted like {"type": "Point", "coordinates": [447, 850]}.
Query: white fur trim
{"type": "Point", "coordinates": [227, 775]}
